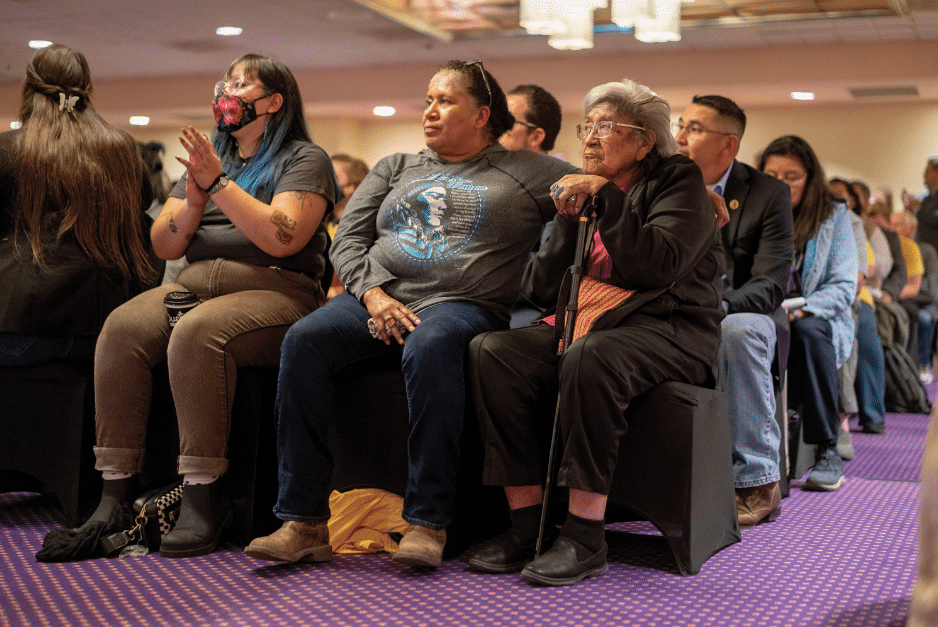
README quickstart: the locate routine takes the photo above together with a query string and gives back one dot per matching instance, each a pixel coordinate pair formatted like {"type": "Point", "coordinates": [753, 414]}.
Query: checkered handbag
{"type": "Point", "coordinates": [156, 511]}
{"type": "Point", "coordinates": [160, 511]}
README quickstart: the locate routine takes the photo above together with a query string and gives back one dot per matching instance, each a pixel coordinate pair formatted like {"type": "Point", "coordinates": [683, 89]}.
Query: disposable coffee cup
{"type": "Point", "coordinates": [178, 303]}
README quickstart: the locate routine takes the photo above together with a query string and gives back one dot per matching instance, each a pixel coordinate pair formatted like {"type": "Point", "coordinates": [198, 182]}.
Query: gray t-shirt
{"type": "Point", "coordinates": [429, 231]}
{"type": "Point", "coordinates": [307, 169]}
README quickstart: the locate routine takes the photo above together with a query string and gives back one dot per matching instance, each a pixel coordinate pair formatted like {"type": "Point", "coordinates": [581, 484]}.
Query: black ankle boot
{"type": "Point", "coordinates": [111, 516]}
{"type": "Point", "coordinates": [204, 514]}
{"type": "Point", "coordinates": [115, 494]}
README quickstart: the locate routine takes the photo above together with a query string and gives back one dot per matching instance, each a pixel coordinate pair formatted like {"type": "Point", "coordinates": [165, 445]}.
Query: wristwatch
{"type": "Point", "coordinates": [220, 183]}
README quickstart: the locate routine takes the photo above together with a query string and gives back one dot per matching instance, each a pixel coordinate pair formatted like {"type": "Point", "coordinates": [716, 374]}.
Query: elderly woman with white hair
{"type": "Point", "coordinates": [650, 300]}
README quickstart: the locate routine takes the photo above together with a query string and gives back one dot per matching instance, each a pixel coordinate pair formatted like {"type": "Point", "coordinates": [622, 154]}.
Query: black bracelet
{"type": "Point", "coordinates": [213, 183]}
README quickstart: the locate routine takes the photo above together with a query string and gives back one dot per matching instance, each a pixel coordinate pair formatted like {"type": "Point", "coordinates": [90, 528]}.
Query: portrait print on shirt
{"type": "Point", "coordinates": [434, 218]}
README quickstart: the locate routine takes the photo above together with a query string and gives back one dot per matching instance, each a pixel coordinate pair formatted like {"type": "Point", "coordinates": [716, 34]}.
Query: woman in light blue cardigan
{"type": "Point", "coordinates": [824, 273]}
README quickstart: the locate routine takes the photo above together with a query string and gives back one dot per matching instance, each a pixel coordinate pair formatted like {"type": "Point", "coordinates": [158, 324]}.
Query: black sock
{"type": "Point", "coordinates": [590, 533]}
{"type": "Point", "coordinates": [526, 522]}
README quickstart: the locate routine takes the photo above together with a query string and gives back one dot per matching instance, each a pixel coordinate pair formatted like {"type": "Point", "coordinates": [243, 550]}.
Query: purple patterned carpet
{"type": "Point", "coordinates": [840, 559]}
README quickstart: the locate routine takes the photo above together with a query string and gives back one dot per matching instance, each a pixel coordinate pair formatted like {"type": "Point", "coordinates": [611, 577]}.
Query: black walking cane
{"type": "Point", "coordinates": [576, 271]}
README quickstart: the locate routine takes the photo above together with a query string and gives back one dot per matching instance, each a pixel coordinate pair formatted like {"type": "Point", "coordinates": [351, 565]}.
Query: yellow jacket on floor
{"type": "Point", "coordinates": [362, 521]}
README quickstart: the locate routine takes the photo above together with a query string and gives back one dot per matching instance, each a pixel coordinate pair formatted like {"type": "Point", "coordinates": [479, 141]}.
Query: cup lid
{"type": "Point", "coordinates": [181, 297]}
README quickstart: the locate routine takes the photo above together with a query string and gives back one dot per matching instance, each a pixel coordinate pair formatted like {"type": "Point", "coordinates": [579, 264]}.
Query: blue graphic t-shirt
{"type": "Point", "coordinates": [429, 231]}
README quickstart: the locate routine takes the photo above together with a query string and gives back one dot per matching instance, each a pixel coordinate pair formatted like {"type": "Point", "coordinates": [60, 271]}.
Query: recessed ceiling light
{"type": "Point", "coordinates": [139, 120]}
{"type": "Point", "coordinates": [229, 31]}
{"type": "Point", "coordinates": [39, 43]}
{"type": "Point", "coordinates": [802, 95]}
{"type": "Point", "coordinates": [15, 124]}
{"type": "Point", "coordinates": [384, 112]}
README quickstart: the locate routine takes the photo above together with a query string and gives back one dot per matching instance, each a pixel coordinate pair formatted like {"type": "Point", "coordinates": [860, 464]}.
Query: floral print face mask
{"type": "Point", "coordinates": [233, 112]}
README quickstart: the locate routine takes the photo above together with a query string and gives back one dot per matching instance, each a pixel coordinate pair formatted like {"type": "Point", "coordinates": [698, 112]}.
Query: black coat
{"type": "Point", "coordinates": [653, 234]}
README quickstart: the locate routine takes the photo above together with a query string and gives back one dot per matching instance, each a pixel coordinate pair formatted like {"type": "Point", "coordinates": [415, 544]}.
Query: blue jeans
{"type": "Point", "coordinates": [870, 382]}
{"type": "Point", "coordinates": [744, 362]}
{"type": "Point", "coordinates": [926, 336]}
{"type": "Point", "coordinates": [432, 358]}
{"type": "Point", "coordinates": [813, 381]}
{"type": "Point", "coordinates": [28, 350]}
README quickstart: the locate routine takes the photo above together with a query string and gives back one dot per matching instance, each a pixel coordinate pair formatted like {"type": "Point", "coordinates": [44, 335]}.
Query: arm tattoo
{"type": "Point", "coordinates": [172, 224]}
{"type": "Point", "coordinates": [282, 221]}
{"type": "Point", "coordinates": [284, 224]}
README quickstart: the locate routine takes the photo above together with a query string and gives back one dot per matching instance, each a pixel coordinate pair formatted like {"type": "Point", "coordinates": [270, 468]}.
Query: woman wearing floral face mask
{"type": "Point", "coordinates": [247, 216]}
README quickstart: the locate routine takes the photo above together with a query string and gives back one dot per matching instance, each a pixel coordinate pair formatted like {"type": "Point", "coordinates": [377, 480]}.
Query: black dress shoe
{"type": "Point", "coordinates": [876, 428]}
{"type": "Point", "coordinates": [566, 563]}
{"type": "Point", "coordinates": [502, 554]}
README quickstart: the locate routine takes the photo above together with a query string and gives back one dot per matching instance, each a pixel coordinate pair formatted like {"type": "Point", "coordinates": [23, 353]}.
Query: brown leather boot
{"type": "Point", "coordinates": [294, 542]}
{"type": "Point", "coordinates": [421, 546]}
{"type": "Point", "coordinates": [759, 503]}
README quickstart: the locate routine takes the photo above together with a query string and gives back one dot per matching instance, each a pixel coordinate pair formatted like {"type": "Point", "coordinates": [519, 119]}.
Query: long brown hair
{"type": "Point", "coordinates": [816, 202]}
{"type": "Point", "coordinates": [75, 169]}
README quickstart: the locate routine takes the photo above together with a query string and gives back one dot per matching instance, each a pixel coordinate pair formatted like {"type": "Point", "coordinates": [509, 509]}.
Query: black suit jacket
{"type": "Point", "coordinates": [928, 220]}
{"type": "Point", "coordinates": [757, 241]}
{"type": "Point", "coordinates": [758, 244]}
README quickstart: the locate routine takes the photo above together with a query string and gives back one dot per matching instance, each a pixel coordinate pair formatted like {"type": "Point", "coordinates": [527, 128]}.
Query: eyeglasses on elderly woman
{"type": "Point", "coordinates": [602, 129]}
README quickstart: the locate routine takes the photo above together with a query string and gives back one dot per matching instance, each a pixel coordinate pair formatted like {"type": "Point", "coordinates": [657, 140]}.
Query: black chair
{"type": "Point", "coordinates": [675, 470]}
{"type": "Point", "coordinates": [47, 421]}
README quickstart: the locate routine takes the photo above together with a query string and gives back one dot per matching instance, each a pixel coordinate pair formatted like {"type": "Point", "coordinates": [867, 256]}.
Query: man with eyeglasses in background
{"type": "Point", "coordinates": [537, 124]}
{"type": "Point", "coordinates": [758, 246]}
{"type": "Point", "coordinates": [537, 119]}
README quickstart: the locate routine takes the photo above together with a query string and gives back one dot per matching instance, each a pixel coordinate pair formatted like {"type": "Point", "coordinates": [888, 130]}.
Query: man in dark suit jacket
{"type": "Point", "coordinates": [926, 210]}
{"type": "Point", "coordinates": [757, 243]}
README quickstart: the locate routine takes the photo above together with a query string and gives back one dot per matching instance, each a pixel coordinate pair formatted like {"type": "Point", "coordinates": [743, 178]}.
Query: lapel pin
{"type": "Point", "coordinates": [734, 204]}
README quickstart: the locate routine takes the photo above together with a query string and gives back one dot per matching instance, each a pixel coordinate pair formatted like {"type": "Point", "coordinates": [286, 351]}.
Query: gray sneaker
{"type": "Point", "coordinates": [828, 472]}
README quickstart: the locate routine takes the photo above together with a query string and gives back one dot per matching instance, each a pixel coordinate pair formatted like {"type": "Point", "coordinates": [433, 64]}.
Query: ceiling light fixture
{"type": "Point", "coordinates": [577, 18]}
{"type": "Point", "coordinates": [662, 25]}
{"type": "Point", "coordinates": [139, 120]}
{"type": "Point", "coordinates": [384, 112]}
{"type": "Point", "coordinates": [802, 95]}
{"type": "Point", "coordinates": [229, 31]}
{"type": "Point", "coordinates": [36, 44]}
{"type": "Point", "coordinates": [626, 12]}
{"type": "Point", "coordinates": [540, 17]}
{"type": "Point", "coordinates": [569, 24]}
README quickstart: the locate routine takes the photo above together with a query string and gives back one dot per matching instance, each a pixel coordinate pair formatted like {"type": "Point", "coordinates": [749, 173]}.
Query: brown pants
{"type": "Point", "coordinates": [245, 312]}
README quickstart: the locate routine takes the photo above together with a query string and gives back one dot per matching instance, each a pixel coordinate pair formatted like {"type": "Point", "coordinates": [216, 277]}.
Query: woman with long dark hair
{"type": "Point", "coordinates": [247, 216]}
{"type": "Point", "coordinates": [73, 241]}
{"type": "Point", "coordinates": [824, 273]}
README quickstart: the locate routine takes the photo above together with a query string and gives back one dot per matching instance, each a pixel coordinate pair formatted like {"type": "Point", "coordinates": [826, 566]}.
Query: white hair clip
{"type": "Point", "coordinates": [67, 104]}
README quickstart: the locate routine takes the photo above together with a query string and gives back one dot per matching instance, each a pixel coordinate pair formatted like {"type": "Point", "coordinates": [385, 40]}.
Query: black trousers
{"type": "Point", "coordinates": [517, 377]}
{"type": "Point", "coordinates": [813, 381]}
